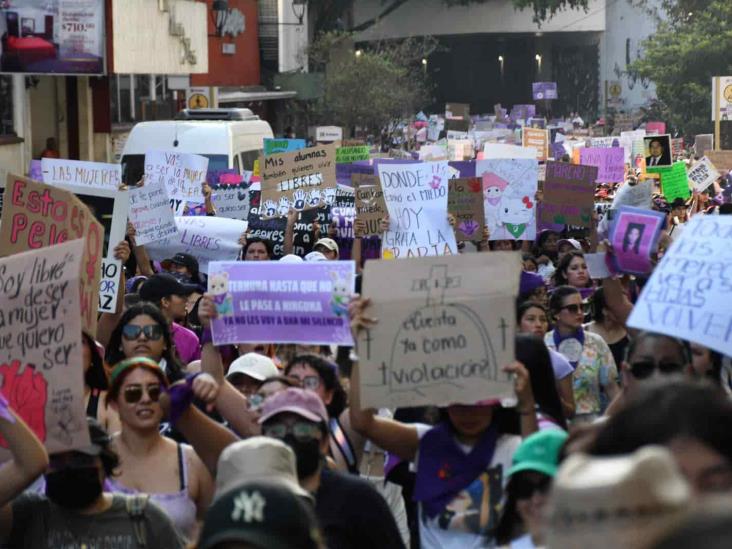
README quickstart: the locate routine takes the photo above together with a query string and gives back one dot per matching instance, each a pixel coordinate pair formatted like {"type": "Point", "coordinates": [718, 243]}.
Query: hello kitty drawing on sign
{"type": "Point", "coordinates": [218, 287]}
{"type": "Point", "coordinates": [341, 296]}
{"type": "Point", "coordinates": [493, 188]}
{"type": "Point", "coordinates": [516, 212]}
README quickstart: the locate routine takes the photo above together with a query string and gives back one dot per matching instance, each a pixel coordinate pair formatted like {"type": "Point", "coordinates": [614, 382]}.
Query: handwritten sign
{"type": "Point", "coordinates": [109, 285]}
{"type": "Point", "coordinates": [502, 150]}
{"type": "Point", "coordinates": [150, 213]}
{"type": "Point", "coordinates": [721, 159]}
{"type": "Point", "coordinates": [277, 146]}
{"type": "Point", "coordinates": [569, 194]}
{"type": "Point", "coordinates": [40, 340]}
{"type": "Point", "coordinates": [297, 180]}
{"type": "Point", "coordinates": [465, 202]}
{"type": "Point", "coordinates": [609, 161]}
{"type": "Point", "coordinates": [674, 181]}
{"type": "Point", "coordinates": [36, 215]}
{"type": "Point", "coordinates": [352, 154]}
{"type": "Point", "coordinates": [369, 203]}
{"type": "Point", "coordinates": [282, 302]}
{"type": "Point", "coordinates": [81, 174]}
{"type": "Point", "coordinates": [536, 139]}
{"type": "Point", "coordinates": [634, 235]}
{"type": "Point", "coordinates": [688, 294]}
{"type": "Point", "coordinates": [443, 334]}
{"type": "Point", "coordinates": [182, 174]}
{"type": "Point", "coordinates": [702, 174]}
{"type": "Point", "coordinates": [416, 198]}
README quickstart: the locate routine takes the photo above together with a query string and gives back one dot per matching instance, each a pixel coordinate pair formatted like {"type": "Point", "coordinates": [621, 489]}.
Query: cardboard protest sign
{"type": "Point", "coordinates": [457, 124]}
{"type": "Point", "coordinates": [282, 302]}
{"type": "Point", "coordinates": [674, 181]}
{"type": "Point", "coordinates": [634, 235]}
{"type": "Point", "coordinates": [95, 175]}
{"type": "Point", "coordinates": [459, 111]}
{"type": "Point", "coordinates": [509, 189]}
{"type": "Point", "coordinates": [300, 180]}
{"type": "Point", "coordinates": [40, 337]}
{"type": "Point", "coordinates": [702, 174]}
{"type": "Point", "coordinates": [536, 139]}
{"type": "Point", "coordinates": [703, 143]}
{"type": "Point", "coordinates": [721, 159]}
{"type": "Point", "coordinates": [504, 150]}
{"type": "Point", "coordinates": [687, 296]}
{"type": "Point", "coordinates": [109, 281]}
{"type": "Point", "coordinates": [369, 203]}
{"type": "Point", "coordinates": [465, 202]}
{"type": "Point", "coordinates": [36, 215]}
{"type": "Point", "coordinates": [277, 146]}
{"type": "Point", "coordinates": [459, 150]}
{"type": "Point", "coordinates": [150, 213]}
{"type": "Point", "coordinates": [609, 161]}
{"type": "Point", "coordinates": [352, 154]}
{"type": "Point", "coordinates": [657, 150]}
{"type": "Point", "coordinates": [182, 174]}
{"type": "Point", "coordinates": [231, 201]}
{"type": "Point", "coordinates": [443, 334]}
{"type": "Point", "coordinates": [416, 198]}
{"type": "Point", "coordinates": [569, 194]}
{"type": "Point", "coordinates": [205, 238]}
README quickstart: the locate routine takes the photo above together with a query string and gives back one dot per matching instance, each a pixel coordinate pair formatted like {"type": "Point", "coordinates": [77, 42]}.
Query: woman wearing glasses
{"type": "Point", "coordinates": [172, 473]}
{"type": "Point", "coordinates": [587, 353]}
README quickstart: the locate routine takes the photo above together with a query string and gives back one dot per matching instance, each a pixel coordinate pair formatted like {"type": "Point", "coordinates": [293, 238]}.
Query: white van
{"type": "Point", "coordinates": [229, 138]}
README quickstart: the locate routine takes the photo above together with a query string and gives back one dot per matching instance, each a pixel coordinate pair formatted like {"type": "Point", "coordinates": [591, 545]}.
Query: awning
{"type": "Point", "coordinates": [243, 97]}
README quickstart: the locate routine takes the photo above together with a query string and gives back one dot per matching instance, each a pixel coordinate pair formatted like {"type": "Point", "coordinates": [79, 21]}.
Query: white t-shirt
{"type": "Point", "coordinates": [457, 527]}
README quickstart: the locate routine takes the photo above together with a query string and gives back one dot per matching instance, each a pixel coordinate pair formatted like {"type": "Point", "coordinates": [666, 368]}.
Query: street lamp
{"type": "Point", "coordinates": [220, 13]}
{"type": "Point", "coordinates": [538, 62]}
{"type": "Point", "coordinates": [300, 10]}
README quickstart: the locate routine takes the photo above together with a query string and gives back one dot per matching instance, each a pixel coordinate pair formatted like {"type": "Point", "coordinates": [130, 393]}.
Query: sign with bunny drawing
{"type": "Point", "coordinates": [299, 180]}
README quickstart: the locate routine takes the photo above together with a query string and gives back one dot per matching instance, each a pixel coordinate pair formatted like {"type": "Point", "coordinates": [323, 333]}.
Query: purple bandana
{"type": "Point", "coordinates": [570, 346]}
{"type": "Point", "coordinates": [181, 396]}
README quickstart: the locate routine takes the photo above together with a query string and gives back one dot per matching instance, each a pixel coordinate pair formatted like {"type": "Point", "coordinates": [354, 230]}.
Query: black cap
{"type": "Point", "coordinates": [678, 203]}
{"type": "Point", "coordinates": [162, 285]}
{"type": "Point", "coordinates": [184, 260]}
{"type": "Point", "coordinates": [263, 514]}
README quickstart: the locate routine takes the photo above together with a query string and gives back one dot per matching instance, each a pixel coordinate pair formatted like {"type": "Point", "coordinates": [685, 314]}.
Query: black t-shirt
{"type": "Point", "coordinates": [353, 515]}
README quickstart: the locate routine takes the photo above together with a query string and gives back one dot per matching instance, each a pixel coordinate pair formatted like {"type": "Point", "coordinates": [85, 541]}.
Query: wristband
{"type": "Point", "coordinates": [5, 412]}
{"type": "Point", "coordinates": [181, 397]}
{"type": "Point", "coordinates": [206, 336]}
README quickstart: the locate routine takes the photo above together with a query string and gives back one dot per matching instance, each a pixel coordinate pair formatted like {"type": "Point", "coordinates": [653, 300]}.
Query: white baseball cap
{"type": "Point", "coordinates": [254, 365]}
{"type": "Point", "coordinates": [315, 256]}
{"type": "Point", "coordinates": [291, 258]}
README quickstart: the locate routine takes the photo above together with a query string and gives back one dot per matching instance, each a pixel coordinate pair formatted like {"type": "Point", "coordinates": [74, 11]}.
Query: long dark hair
{"type": "Point", "coordinates": [96, 376]}
{"type": "Point", "coordinates": [173, 367]}
{"type": "Point", "coordinates": [560, 275]}
{"type": "Point", "coordinates": [328, 373]}
{"type": "Point", "coordinates": [626, 241]}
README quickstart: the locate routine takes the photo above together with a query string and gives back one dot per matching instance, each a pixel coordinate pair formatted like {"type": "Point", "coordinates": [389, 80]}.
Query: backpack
{"type": "Point", "coordinates": [136, 505]}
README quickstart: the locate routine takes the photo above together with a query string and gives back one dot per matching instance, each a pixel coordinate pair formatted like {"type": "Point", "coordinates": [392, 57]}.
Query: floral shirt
{"type": "Point", "coordinates": [596, 368]}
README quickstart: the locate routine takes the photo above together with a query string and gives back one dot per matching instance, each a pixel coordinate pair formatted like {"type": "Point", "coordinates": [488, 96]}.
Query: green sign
{"type": "Point", "coordinates": [352, 154]}
{"type": "Point", "coordinates": [674, 181]}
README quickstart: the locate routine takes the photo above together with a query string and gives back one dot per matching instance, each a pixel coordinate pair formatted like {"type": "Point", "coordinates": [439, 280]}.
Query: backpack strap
{"type": "Point", "coordinates": [136, 505]}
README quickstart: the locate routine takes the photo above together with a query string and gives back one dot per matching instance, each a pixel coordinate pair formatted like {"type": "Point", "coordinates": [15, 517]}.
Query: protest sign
{"type": "Point", "coordinates": [40, 337]}
{"type": "Point", "coordinates": [435, 125]}
{"type": "Point", "coordinates": [657, 150]}
{"type": "Point", "coordinates": [657, 128]}
{"type": "Point", "coordinates": [352, 154]}
{"type": "Point", "coordinates": [328, 134]}
{"type": "Point", "coordinates": [459, 150]}
{"type": "Point", "coordinates": [416, 198]}
{"type": "Point", "coordinates": [277, 146]}
{"type": "Point", "coordinates": [597, 266]}
{"type": "Point", "coordinates": [502, 150]}
{"type": "Point", "coordinates": [150, 213]}
{"type": "Point", "coordinates": [95, 175]}
{"type": "Point", "coordinates": [460, 111]}
{"type": "Point", "coordinates": [282, 302]}
{"type": "Point", "coordinates": [369, 203]}
{"type": "Point", "coordinates": [544, 90]}
{"type": "Point", "coordinates": [182, 174]}
{"type": "Point", "coordinates": [638, 195]}
{"type": "Point", "coordinates": [702, 174]}
{"type": "Point", "coordinates": [569, 194]}
{"type": "Point", "coordinates": [536, 139]}
{"type": "Point", "coordinates": [433, 153]}
{"type": "Point", "coordinates": [677, 146]}
{"type": "Point", "coordinates": [205, 238]}
{"type": "Point", "coordinates": [688, 294]}
{"type": "Point", "coordinates": [703, 143]}
{"type": "Point", "coordinates": [610, 162]}
{"type": "Point", "coordinates": [465, 202]}
{"type": "Point", "coordinates": [721, 159]}
{"type": "Point", "coordinates": [674, 181]}
{"type": "Point", "coordinates": [298, 180]}
{"type": "Point", "coordinates": [443, 334]}
{"type": "Point", "coordinates": [523, 112]}
{"type": "Point", "coordinates": [634, 235]}
{"type": "Point", "coordinates": [35, 170]}
{"type": "Point", "coordinates": [457, 124]}
{"type": "Point", "coordinates": [509, 190]}
{"type": "Point", "coordinates": [231, 201]}
{"type": "Point", "coordinates": [36, 215]}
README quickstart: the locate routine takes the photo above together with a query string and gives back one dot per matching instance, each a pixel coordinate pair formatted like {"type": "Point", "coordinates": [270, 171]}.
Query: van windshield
{"type": "Point", "coordinates": [133, 166]}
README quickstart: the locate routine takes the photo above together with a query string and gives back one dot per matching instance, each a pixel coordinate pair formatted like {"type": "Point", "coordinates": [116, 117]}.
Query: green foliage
{"type": "Point", "coordinates": [543, 9]}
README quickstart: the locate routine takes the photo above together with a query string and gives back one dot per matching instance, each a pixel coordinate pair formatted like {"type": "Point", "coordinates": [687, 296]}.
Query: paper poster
{"type": "Point", "coordinates": [702, 174]}
{"type": "Point", "coordinates": [657, 150]}
{"type": "Point", "coordinates": [610, 162]}
{"type": "Point", "coordinates": [95, 175]}
{"type": "Point", "coordinates": [182, 174]}
{"type": "Point", "coordinates": [42, 366]}
{"type": "Point", "coordinates": [597, 266]}
{"type": "Point", "coordinates": [282, 302]}
{"type": "Point", "coordinates": [638, 195]}
{"type": "Point", "coordinates": [299, 180]}
{"type": "Point", "coordinates": [150, 213]}
{"type": "Point", "coordinates": [36, 215]}
{"type": "Point", "coordinates": [509, 190]}
{"type": "Point", "coordinates": [369, 203]}
{"type": "Point", "coordinates": [231, 201]}
{"type": "Point", "coordinates": [677, 146]}
{"type": "Point", "coordinates": [328, 134]}
{"type": "Point", "coordinates": [433, 153]}
{"type": "Point", "coordinates": [352, 154]}
{"type": "Point", "coordinates": [457, 124]}
{"type": "Point", "coordinates": [688, 294]}
{"type": "Point", "coordinates": [205, 238]}
{"type": "Point", "coordinates": [459, 150]}
{"type": "Point", "coordinates": [277, 146]}
{"type": "Point", "coordinates": [703, 143]}
{"type": "Point", "coordinates": [569, 194]}
{"type": "Point", "coordinates": [465, 202]}
{"type": "Point", "coordinates": [109, 285]}
{"type": "Point", "coordinates": [721, 159]}
{"type": "Point", "coordinates": [503, 150]}
{"type": "Point", "coordinates": [657, 128]}
{"type": "Point", "coordinates": [674, 181]}
{"type": "Point", "coordinates": [523, 112]}
{"type": "Point", "coordinates": [443, 334]}
{"type": "Point", "coordinates": [416, 198]}
{"type": "Point", "coordinates": [460, 111]}
{"type": "Point", "coordinates": [634, 235]}
{"type": "Point", "coordinates": [536, 139]}
{"type": "Point", "coordinates": [542, 91]}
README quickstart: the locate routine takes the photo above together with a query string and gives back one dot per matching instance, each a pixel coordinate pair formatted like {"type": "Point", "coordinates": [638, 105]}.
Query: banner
{"type": "Point", "coordinates": [416, 198]}
{"type": "Point", "coordinates": [150, 213]}
{"type": "Point", "coordinates": [42, 365]}
{"type": "Point", "coordinates": [634, 235]}
{"type": "Point", "coordinates": [205, 238]}
{"type": "Point", "coordinates": [277, 146]}
{"type": "Point", "coordinates": [542, 91]}
{"type": "Point", "coordinates": [36, 215]}
{"type": "Point", "coordinates": [688, 293]}
{"type": "Point", "coordinates": [465, 202]}
{"type": "Point", "coordinates": [569, 194]}
{"type": "Point", "coordinates": [674, 181]}
{"type": "Point", "coordinates": [352, 154]}
{"type": "Point", "coordinates": [536, 139]}
{"type": "Point", "coordinates": [610, 162]}
{"type": "Point", "coordinates": [96, 175]}
{"type": "Point", "coordinates": [282, 302]}
{"type": "Point", "coordinates": [443, 334]}
{"type": "Point", "coordinates": [369, 203]}
{"type": "Point", "coordinates": [702, 174]}
{"type": "Point", "coordinates": [182, 174]}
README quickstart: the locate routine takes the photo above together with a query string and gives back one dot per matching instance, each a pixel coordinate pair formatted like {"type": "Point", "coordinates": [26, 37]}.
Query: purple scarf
{"type": "Point", "coordinates": [570, 346]}
{"type": "Point", "coordinates": [443, 469]}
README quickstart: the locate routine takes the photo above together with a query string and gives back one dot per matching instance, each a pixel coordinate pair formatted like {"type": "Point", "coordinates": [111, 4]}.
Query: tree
{"type": "Point", "coordinates": [691, 45]}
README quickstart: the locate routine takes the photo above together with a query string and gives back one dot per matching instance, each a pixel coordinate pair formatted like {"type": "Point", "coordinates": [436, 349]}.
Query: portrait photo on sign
{"type": "Point", "coordinates": [634, 234]}
{"type": "Point", "coordinates": [657, 150]}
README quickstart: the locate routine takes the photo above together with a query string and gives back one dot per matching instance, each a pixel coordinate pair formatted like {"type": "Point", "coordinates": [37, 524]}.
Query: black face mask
{"type": "Point", "coordinates": [307, 454]}
{"type": "Point", "coordinates": [74, 488]}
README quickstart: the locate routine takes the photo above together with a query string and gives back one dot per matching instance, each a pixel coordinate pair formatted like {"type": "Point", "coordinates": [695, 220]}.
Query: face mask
{"type": "Point", "coordinates": [74, 488]}
{"type": "Point", "coordinates": [307, 454]}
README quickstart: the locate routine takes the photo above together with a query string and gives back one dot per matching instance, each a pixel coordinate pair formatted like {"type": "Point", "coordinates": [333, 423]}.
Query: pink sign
{"type": "Point", "coordinates": [656, 127]}
{"type": "Point", "coordinates": [610, 162]}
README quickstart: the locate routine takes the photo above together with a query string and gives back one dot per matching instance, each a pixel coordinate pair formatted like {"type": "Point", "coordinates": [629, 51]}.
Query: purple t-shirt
{"type": "Point", "coordinates": [186, 343]}
{"type": "Point", "coordinates": [562, 367]}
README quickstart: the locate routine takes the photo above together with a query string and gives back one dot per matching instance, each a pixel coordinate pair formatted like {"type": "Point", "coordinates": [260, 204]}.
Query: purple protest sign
{"type": "Point", "coordinates": [344, 172]}
{"type": "Point", "coordinates": [610, 162]}
{"type": "Point", "coordinates": [272, 302]}
{"type": "Point", "coordinates": [34, 170]}
{"type": "Point", "coordinates": [523, 112]}
{"type": "Point", "coordinates": [634, 235]}
{"type": "Point", "coordinates": [544, 90]}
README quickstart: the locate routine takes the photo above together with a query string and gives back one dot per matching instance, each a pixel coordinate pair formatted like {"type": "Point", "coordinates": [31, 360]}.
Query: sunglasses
{"type": "Point", "coordinates": [152, 332]}
{"type": "Point", "coordinates": [644, 369]}
{"type": "Point", "coordinates": [309, 382]}
{"type": "Point", "coordinates": [525, 488]}
{"type": "Point", "coordinates": [255, 401]}
{"type": "Point", "coordinates": [303, 431]}
{"type": "Point", "coordinates": [133, 393]}
{"type": "Point", "coordinates": [573, 308]}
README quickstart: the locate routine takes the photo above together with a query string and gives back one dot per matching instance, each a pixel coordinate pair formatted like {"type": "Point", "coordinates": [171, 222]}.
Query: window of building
{"type": "Point", "coordinates": [6, 105]}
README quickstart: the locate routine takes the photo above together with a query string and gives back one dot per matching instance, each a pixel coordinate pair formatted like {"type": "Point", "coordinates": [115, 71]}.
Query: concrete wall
{"type": "Point", "coordinates": [293, 38]}
{"type": "Point", "coordinates": [43, 112]}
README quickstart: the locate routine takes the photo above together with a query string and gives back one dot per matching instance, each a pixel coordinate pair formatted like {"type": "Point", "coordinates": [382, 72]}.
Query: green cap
{"type": "Point", "coordinates": [539, 452]}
